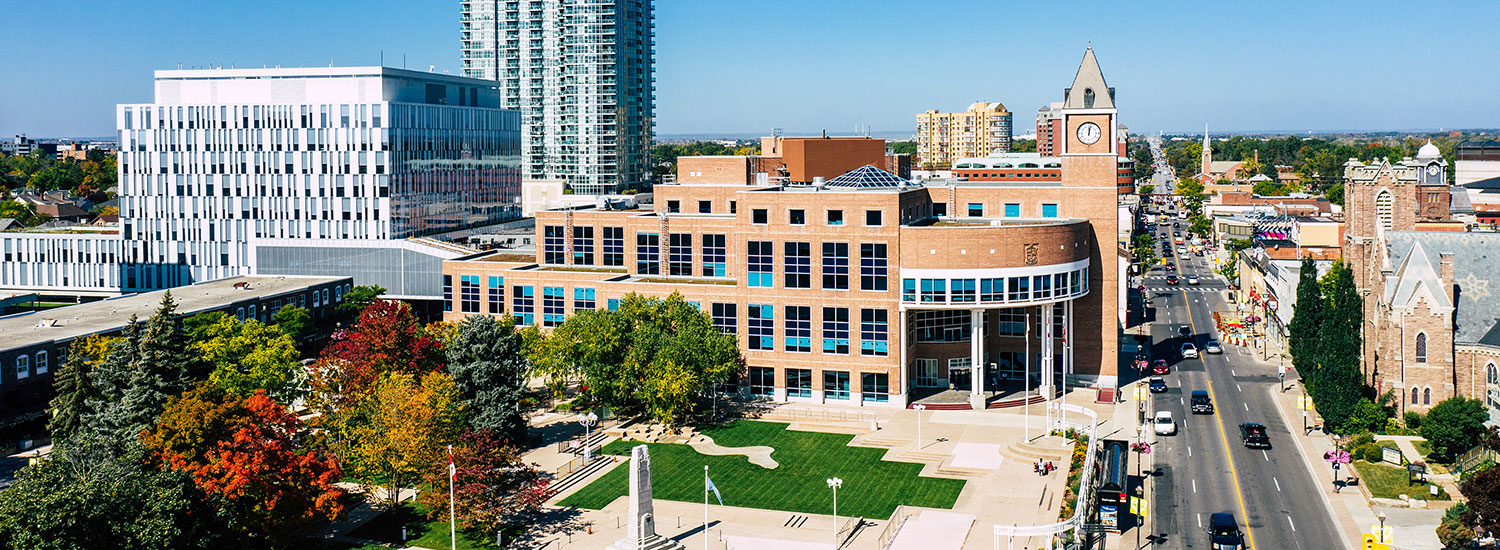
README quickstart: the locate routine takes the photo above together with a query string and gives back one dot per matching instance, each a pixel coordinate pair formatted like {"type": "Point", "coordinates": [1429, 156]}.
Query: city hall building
{"type": "Point", "coordinates": [866, 288]}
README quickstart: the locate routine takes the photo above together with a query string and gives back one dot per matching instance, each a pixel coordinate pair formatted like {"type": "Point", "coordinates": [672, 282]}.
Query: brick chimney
{"type": "Point", "coordinates": [1445, 271]}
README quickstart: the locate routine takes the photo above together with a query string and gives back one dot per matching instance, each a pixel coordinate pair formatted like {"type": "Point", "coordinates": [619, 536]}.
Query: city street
{"type": "Point", "coordinates": [1205, 468]}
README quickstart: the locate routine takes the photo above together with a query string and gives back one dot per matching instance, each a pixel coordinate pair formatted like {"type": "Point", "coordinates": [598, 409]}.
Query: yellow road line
{"type": "Point", "coordinates": [1233, 474]}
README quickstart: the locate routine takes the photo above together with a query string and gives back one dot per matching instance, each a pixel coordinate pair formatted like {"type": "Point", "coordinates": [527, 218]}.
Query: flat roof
{"type": "Point", "coordinates": [71, 322]}
{"type": "Point", "coordinates": [314, 72]}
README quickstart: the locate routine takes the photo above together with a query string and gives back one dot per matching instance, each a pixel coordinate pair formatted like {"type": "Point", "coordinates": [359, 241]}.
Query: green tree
{"type": "Point", "coordinates": [903, 147]}
{"type": "Point", "coordinates": [1148, 189]}
{"type": "Point", "coordinates": [247, 356]}
{"type": "Point", "coordinates": [1307, 317]}
{"type": "Point", "coordinates": [487, 360]}
{"type": "Point", "coordinates": [150, 364]}
{"type": "Point", "coordinates": [1264, 188]}
{"type": "Point", "coordinates": [1455, 425]}
{"type": "Point", "coordinates": [76, 394]}
{"type": "Point", "coordinates": [1336, 193]}
{"type": "Point", "coordinates": [1200, 225]}
{"type": "Point", "coordinates": [359, 298]}
{"type": "Point", "coordinates": [293, 321]}
{"type": "Point", "coordinates": [1340, 383]}
{"type": "Point", "coordinates": [1367, 417]}
{"type": "Point", "coordinates": [1023, 146]}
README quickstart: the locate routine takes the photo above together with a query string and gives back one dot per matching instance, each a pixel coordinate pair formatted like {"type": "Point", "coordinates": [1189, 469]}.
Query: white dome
{"type": "Point", "coordinates": [1429, 151]}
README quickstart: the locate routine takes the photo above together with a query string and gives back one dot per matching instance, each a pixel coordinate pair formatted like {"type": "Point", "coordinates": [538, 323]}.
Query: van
{"type": "Point", "coordinates": [1224, 533]}
{"type": "Point", "coordinates": [1200, 402]}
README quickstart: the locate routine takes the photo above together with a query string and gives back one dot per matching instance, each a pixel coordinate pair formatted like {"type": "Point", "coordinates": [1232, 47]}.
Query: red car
{"type": "Point", "coordinates": [1171, 279]}
{"type": "Point", "coordinates": [1159, 366]}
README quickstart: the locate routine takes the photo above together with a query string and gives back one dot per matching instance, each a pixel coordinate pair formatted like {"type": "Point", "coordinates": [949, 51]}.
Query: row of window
{"type": "Point", "coordinates": [24, 364]}
{"type": "Point", "coordinates": [1010, 209]}
{"type": "Point", "coordinates": [798, 216]}
{"type": "Point", "coordinates": [318, 298]}
{"type": "Point", "coordinates": [836, 384]}
{"type": "Point", "coordinates": [995, 289]}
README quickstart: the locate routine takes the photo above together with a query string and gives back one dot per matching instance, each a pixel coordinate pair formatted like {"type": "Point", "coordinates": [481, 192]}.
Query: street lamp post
{"type": "Point", "coordinates": [1381, 534]}
{"type": "Point", "coordinates": [919, 408]}
{"type": "Point", "coordinates": [834, 483]}
{"type": "Point", "coordinates": [588, 420]}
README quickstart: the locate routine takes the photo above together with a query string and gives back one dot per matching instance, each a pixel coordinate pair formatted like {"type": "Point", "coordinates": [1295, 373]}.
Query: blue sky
{"type": "Point", "coordinates": [801, 65]}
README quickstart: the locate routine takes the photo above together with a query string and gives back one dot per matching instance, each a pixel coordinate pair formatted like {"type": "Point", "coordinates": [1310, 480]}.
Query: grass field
{"type": "Point", "coordinates": [1386, 481]}
{"type": "Point", "coordinates": [419, 531]}
{"type": "Point", "coordinates": [872, 487]}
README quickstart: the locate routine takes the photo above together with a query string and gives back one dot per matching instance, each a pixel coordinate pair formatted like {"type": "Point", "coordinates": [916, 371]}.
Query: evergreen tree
{"type": "Point", "coordinates": [1305, 320]}
{"type": "Point", "coordinates": [1340, 382]}
{"type": "Point", "coordinates": [155, 365]}
{"type": "Point", "coordinates": [75, 393]}
{"type": "Point", "coordinates": [488, 364]}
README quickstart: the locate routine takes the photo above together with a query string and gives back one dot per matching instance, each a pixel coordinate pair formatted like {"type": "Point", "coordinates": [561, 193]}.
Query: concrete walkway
{"type": "Point", "coordinates": [759, 455]}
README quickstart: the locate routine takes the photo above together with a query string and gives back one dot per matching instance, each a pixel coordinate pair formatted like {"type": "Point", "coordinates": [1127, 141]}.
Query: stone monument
{"type": "Point", "coordinates": [640, 534]}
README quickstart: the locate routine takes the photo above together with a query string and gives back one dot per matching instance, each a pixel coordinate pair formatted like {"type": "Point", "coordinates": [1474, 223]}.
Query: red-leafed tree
{"type": "Point", "coordinates": [387, 338]}
{"type": "Point", "coordinates": [246, 452]}
{"type": "Point", "coordinates": [493, 485]}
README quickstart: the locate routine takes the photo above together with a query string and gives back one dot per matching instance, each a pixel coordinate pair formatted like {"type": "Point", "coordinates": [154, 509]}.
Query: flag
{"type": "Point", "coordinates": [711, 487]}
{"type": "Point", "coordinates": [452, 469]}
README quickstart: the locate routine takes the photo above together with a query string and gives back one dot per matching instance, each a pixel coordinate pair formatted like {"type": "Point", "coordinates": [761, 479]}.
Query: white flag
{"type": "Point", "coordinates": [714, 488]}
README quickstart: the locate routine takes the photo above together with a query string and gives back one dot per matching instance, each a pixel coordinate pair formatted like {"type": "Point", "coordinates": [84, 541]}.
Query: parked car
{"type": "Point", "coordinates": [1254, 435]}
{"type": "Point", "coordinates": [1164, 423]}
{"type": "Point", "coordinates": [1213, 347]}
{"type": "Point", "coordinates": [1189, 351]}
{"type": "Point", "coordinates": [1224, 533]}
{"type": "Point", "coordinates": [1201, 403]}
{"type": "Point", "coordinates": [1159, 367]}
{"type": "Point", "coordinates": [1192, 279]}
{"type": "Point", "coordinates": [1157, 384]}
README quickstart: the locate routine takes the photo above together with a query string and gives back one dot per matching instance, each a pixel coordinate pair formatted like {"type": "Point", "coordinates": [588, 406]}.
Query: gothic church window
{"type": "Point", "coordinates": [1414, 394]}
{"type": "Point", "coordinates": [1421, 347]}
{"type": "Point", "coordinates": [1494, 375]}
{"type": "Point", "coordinates": [1383, 209]}
{"type": "Point", "coordinates": [1426, 396]}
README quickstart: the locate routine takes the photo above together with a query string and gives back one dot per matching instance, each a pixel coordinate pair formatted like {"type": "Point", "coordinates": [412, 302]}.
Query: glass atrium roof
{"type": "Point", "coordinates": [867, 177]}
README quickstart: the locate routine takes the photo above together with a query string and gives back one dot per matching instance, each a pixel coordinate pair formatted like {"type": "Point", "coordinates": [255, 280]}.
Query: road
{"type": "Point", "coordinates": [1205, 468]}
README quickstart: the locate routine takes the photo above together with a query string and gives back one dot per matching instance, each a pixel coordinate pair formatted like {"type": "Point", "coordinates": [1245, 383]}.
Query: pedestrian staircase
{"type": "Point", "coordinates": [565, 483]}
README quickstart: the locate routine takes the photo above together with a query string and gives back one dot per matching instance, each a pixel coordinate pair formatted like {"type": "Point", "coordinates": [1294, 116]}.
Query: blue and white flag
{"type": "Point", "coordinates": [709, 486]}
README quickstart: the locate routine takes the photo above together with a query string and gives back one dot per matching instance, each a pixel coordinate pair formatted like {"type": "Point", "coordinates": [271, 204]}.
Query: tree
{"type": "Point", "coordinates": [1366, 417]}
{"type": "Point", "coordinates": [668, 390]}
{"type": "Point", "coordinates": [400, 428]}
{"type": "Point", "coordinates": [1336, 193]}
{"type": "Point", "coordinates": [1306, 319]}
{"type": "Point", "coordinates": [492, 484]}
{"type": "Point", "coordinates": [152, 363]}
{"type": "Point", "coordinates": [1200, 226]}
{"type": "Point", "coordinates": [1455, 425]}
{"type": "Point", "coordinates": [294, 320]}
{"type": "Point", "coordinates": [487, 361]}
{"type": "Point", "coordinates": [387, 338]}
{"type": "Point", "coordinates": [76, 394]}
{"type": "Point", "coordinates": [359, 298]}
{"type": "Point", "coordinates": [1340, 383]}
{"type": "Point", "coordinates": [249, 356]}
{"type": "Point", "coordinates": [1264, 188]}
{"type": "Point", "coordinates": [1482, 490]}
{"type": "Point", "coordinates": [903, 147]}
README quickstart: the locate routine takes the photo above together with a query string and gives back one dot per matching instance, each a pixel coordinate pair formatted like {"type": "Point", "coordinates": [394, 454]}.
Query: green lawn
{"type": "Point", "coordinates": [1386, 481]}
{"type": "Point", "coordinates": [419, 531]}
{"type": "Point", "coordinates": [872, 487]}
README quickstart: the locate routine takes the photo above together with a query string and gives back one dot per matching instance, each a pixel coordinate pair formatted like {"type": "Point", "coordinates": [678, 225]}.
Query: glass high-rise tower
{"type": "Point", "coordinates": [581, 72]}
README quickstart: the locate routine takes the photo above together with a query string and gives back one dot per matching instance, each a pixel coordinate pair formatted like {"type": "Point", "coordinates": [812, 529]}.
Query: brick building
{"type": "Point", "coordinates": [943, 138]}
{"type": "Point", "coordinates": [867, 288]}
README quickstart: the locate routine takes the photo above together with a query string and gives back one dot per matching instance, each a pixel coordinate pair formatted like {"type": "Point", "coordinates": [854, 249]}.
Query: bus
{"type": "Point", "coordinates": [1163, 220]}
{"type": "Point", "coordinates": [1110, 494]}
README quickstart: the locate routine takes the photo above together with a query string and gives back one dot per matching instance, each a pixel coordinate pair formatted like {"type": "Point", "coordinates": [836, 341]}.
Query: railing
{"type": "Point", "coordinates": [809, 413]}
{"type": "Point", "coordinates": [1085, 485]}
{"type": "Point", "coordinates": [893, 526]}
{"type": "Point", "coordinates": [573, 466]}
{"type": "Point", "coordinates": [1474, 459]}
{"type": "Point", "coordinates": [847, 531]}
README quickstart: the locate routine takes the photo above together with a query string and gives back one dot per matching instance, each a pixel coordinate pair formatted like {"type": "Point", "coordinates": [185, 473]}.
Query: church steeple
{"type": "Point", "coordinates": [1208, 153]}
{"type": "Point", "coordinates": [1089, 91]}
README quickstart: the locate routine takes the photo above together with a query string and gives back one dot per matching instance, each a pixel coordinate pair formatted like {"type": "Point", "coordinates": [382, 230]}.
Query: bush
{"type": "Point", "coordinates": [1454, 426]}
{"type": "Point", "coordinates": [1371, 452]}
{"type": "Point", "coordinates": [1455, 535]}
{"type": "Point", "coordinates": [1360, 440]}
{"type": "Point", "coordinates": [1413, 420]}
{"type": "Point", "coordinates": [1366, 417]}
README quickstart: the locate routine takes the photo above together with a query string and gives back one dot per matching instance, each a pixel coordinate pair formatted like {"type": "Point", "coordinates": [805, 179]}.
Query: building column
{"type": "Point", "coordinates": [976, 359]}
{"type": "Point", "coordinates": [903, 379]}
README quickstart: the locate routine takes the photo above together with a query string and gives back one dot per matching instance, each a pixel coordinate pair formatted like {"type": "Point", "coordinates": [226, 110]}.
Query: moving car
{"type": "Point", "coordinates": [1185, 331]}
{"type": "Point", "coordinates": [1159, 367]}
{"type": "Point", "coordinates": [1224, 533]}
{"type": "Point", "coordinates": [1213, 347]}
{"type": "Point", "coordinates": [1171, 279]}
{"type": "Point", "coordinates": [1189, 351]}
{"type": "Point", "coordinates": [1182, 249]}
{"type": "Point", "coordinates": [1157, 384]}
{"type": "Point", "coordinates": [1254, 435]}
{"type": "Point", "coordinates": [1164, 423]}
{"type": "Point", "coordinates": [1192, 279]}
{"type": "Point", "coordinates": [1171, 266]}
{"type": "Point", "coordinates": [1201, 403]}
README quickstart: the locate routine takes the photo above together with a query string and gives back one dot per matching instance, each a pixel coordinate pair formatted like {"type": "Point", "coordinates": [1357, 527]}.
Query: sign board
{"type": "Point", "coordinates": [1390, 455]}
{"type": "Point", "coordinates": [1382, 534]}
{"type": "Point", "coordinates": [1416, 468]}
{"type": "Point", "coordinates": [1138, 506]}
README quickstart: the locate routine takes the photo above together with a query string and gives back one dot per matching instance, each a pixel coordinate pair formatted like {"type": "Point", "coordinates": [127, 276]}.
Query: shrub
{"type": "Point", "coordinates": [1360, 440]}
{"type": "Point", "coordinates": [1455, 535]}
{"type": "Point", "coordinates": [1454, 426]}
{"type": "Point", "coordinates": [1413, 420]}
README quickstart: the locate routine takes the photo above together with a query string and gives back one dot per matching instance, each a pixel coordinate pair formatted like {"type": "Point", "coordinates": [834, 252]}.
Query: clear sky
{"type": "Point", "coordinates": [804, 65]}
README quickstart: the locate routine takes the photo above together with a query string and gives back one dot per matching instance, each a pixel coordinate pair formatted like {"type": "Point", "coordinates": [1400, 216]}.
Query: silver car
{"type": "Point", "coordinates": [1189, 351]}
{"type": "Point", "coordinates": [1213, 347]}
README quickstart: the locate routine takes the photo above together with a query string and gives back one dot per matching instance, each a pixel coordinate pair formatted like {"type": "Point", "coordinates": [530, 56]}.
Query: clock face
{"type": "Point", "coordinates": [1432, 169]}
{"type": "Point", "coordinates": [1088, 133]}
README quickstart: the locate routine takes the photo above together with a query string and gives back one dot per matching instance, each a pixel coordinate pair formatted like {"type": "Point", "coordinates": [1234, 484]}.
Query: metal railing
{"type": "Point", "coordinates": [1085, 485]}
{"type": "Point", "coordinates": [893, 526]}
{"type": "Point", "coordinates": [848, 530]}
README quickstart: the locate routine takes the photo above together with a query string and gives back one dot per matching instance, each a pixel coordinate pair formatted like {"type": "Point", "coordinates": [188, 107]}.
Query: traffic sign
{"type": "Point", "coordinates": [1305, 403]}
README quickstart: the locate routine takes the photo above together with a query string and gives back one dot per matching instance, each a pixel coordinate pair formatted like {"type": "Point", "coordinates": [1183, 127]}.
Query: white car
{"type": "Point", "coordinates": [1182, 250]}
{"type": "Point", "coordinates": [1164, 424]}
{"type": "Point", "coordinates": [1213, 347]}
{"type": "Point", "coordinates": [1189, 351]}
{"type": "Point", "coordinates": [1192, 279]}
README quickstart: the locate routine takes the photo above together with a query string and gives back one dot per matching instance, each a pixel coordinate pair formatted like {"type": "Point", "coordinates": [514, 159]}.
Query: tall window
{"type": "Point", "coordinates": [726, 317]}
{"type": "Point", "coordinates": [583, 299]}
{"type": "Point", "coordinates": [836, 330]}
{"type": "Point", "coordinates": [552, 245]}
{"type": "Point", "coordinates": [680, 254]}
{"type": "Point", "coordinates": [523, 302]}
{"type": "Point", "coordinates": [762, 381]}
{"type": "Point", "coordinates": [836, 266]}
{"type": "Point", "coordinates": [1421, 347]}
{"type": "Point", "coordinates": [496, 294]}
{"type": "Point", "coordinates": [799, 329]}
{"type": "Point", "coordinates": [468, 293]}
{"type": "Point", "coordinates": [714, 253]}
{"type": "Point", "coordinates": [875, 387]}
{"type": "Point", "coordinates": [614, 246]}
{"type": "Point", "coordinates": [23, 366]}
{"type": "Point", "coordinates": [762, 327]}
{"type": "Point", "coordinates": [1426, 396]}
{"type": "Point", "coordinates": [41, 362]}
{"type": "Point", "coordinates": [447, 295]}
{"type": "Point", "coordinates": [874, 331]}
{"type": "Point", "coordinates": [553, 308]}
{"type": "Point", "coordinates": [798, 264]}
{"type": "Point", "coordinates": [836, 385]}
{"type": "Point", "coordinates": [1414, 394]}
{"type": "Point", "coordinates": [873, 266]}
{"type": "Point", "coordinates": [1383, 207]}
{"type": "Point", "coordinates": [648, 253]}
{"type": "Point", "coordinates": [760, 264]}
{"type": "Point", "coordinates": [1494, 374]}
{"type": "Point", "coordinates": [583, 246]}
{"type": "Point", "coordinates": [799, 382]}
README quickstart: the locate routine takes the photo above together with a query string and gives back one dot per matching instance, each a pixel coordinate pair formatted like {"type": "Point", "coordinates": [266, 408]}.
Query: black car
{"type": "Point", "coordinates": [1201, 403]}
{"type": "Point", "coordinates": [1157, 384]}
{"type": "Point", "coordinates": [1224, 533]}
{"type": "Point", "coordinates": [1184, 331]}
{"type": "Point", "coordinates": [1254, 435]}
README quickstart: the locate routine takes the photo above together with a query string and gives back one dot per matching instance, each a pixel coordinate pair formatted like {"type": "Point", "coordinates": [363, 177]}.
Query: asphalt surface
{"type": "Point", "coordinates": [1205, 467]}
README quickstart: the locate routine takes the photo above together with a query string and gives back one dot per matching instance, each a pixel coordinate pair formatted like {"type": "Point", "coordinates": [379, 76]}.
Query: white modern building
{"type": "Point", "coordinates": [581, 72]}
{"type": "Point", "coordinates": [311, 171]}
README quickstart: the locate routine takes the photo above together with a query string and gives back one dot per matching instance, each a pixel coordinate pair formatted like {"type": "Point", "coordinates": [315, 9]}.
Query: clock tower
{"type": "Point", "coordinates": [1090, 156]}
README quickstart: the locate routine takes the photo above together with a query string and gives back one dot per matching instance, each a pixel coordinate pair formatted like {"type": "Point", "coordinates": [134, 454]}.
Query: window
{"type": "Point", "coordinates": [613, 304]}
{"type": "Point", "coordinates": [552, 306]}
{"type": "Point", "coordinates": [836, 266]}
{"type": "Point", "coordinates": [1049, 210]}
{"type": "Point", "coordinates": [1494, 374]}
{"type": "Point", "coordinates": [835, 217]}
{"type": "Point", "coordinates": [1426, 396]}
{"type": "Point", "coordinates": [872, 218]}
{"type": "Point", "coordinates": [583, 299]}
{"type": "Point", "coordinates": [647, 253]}
{"type": "Point", "coordinates": [799, 382]}
{"type": "Point", "coordinates": [614, 246]}
{"type": "Point", "coordinates": [836, 330]}
{"type": "Point", "coordinates": [991, 290]}
{"type": "Point", "coordinates": [705, 207]}
{"type": "Point", "coordinates": [836, 385]}
{"type": "Point", "coordinates": [23, 366]}
{"type": "Point", "coordinates": [799, 329]}
{"type": "Point", "coordinates": [523, 300]}
{"type": "Point", "coordinates": [680, 254]}
{"type": "Point", "coordinates": [873, 332]}
{"type": "Point", "coordinates": [468, 293]}
{"type": "Point", "coordinates": [797, 217]}
{"type": "Point", "coordinates": [1012, 322]}
{"type": "Point", "coordinates": [673, 207]}
{"type": "Point", "coordinates": [1041, 286]}
{"type": "Point", "coordinates": [41, 362]}
{"type": "Point", "coordinates": [758, 216]}
{"type": "Point", "coordinates": [908, 290]}
{"type": "Point", "coordinates": [1020, 289]}
{"type": "Point", "coordinates": [714, 253]}
{"type": "Point", "coordinates": [1421, 347]}
{"type": "Point", "coordinates": [1012, 210]}
{"type": "Point", "coordinates": [798, 261]}
{"type": "Point", "coordinates": [874, 387]}
{"type": "Point", "coordinates": [1414, 394]}
{"type": "Point", "coordinates": [734, 207]}
{"type": "Point", "coordinates": [725, 317]}
{"type": "Point", "coordinates": [762, 327]}
{"type": "Point", "coordinates": [762, 381]}
{"type": "Point", "coordinates": [976, 210]}
{"type": "Point", "coordinates": [927, 374]}
{"type": "Point", "coordinates": [552, 245]}
{"type": "Point", "coordinates": [760, 264]}
{"type": "Point", "coordinates": [447, 295]}
{"type": "Point", "coordinates": [930, 326]}
{"type": "Point", "coordinates": [497, 294]}
{"type": "Point", "coordinates": [940, 209]}
{"type": "Point", "coordinates": [934, 291]}
{"type": "Point", "coordinates": [963, 290]}
{"type": "Point", "coordinates": [583, 246]}
{"type": "Point", "coordinates": [873, 267]}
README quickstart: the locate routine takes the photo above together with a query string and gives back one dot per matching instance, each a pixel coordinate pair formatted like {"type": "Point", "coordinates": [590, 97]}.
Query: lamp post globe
{"type": "Point", "coordinates": [834, 483]}
{"type": "Point", "coordinates": [588, 419]}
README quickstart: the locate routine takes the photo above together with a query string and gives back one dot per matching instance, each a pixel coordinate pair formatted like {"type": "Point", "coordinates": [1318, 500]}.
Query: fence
{"type": "Point", "coordinates": [893, 526]}
{"type": "Point", "coordinates": [575, 465]}
{"type": "Point", "coordinates": [1474, 459]}
{"type": "Point", "coordinates": [814, 414]}
{"type": "Point", "coordinates": [848, 530]}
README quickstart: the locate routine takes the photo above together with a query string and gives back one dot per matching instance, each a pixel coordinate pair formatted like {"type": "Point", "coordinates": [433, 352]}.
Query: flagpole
{"type": "Point", "coordinates": [705, 507]}
{"type": "Point", "coordinates": [452, 522]}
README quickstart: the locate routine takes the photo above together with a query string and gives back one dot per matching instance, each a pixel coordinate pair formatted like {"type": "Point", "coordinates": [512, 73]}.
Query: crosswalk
{"type": "Point", "coordinates": [1184, 288]}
